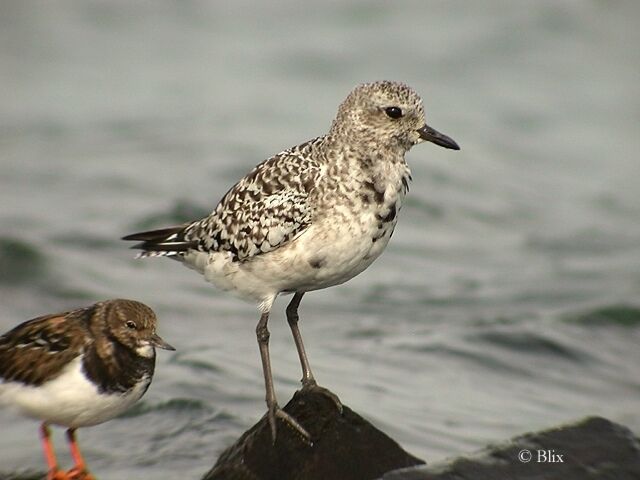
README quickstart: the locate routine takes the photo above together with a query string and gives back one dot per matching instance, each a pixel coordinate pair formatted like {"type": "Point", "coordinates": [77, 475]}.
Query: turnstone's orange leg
{"type": "Point", "coordinates": [79, 471]}
{"type": "Point", "coordinates": [54, 473]}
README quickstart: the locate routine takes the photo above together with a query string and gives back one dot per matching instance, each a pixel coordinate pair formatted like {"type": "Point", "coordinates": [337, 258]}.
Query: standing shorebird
{"type": "Point", "coordinates": [79, 368]}
{"type": "Point", "coordinates": [310, 217]}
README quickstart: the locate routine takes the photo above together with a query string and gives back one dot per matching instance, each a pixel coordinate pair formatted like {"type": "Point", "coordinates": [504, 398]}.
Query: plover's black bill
{"type": "Point", "coordinates": [432, 135]}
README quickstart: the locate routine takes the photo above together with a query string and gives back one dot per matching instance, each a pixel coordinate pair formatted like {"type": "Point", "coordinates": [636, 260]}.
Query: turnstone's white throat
{"type": "Point", "coordinates": [310, 217]}
{"type": "Point", "coordinates": [79, 368]}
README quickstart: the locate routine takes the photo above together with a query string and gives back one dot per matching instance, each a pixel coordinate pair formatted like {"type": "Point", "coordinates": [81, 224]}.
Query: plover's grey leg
{"type": "Point", "coordinates": [308, 380]}
{"type": "Point", "coordinates": [273, 410]}
{"type": "Point", "coordinates": [292, 318]}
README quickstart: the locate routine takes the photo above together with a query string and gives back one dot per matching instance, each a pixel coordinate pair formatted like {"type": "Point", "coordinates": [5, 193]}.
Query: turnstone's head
{"type": "Point", "coordinates": [388, 114]}
{"type": "Point", "coordinates": [132, 324]}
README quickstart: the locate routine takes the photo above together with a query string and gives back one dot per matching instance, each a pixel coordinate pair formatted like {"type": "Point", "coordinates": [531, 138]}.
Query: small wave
{"type": "Point", "coordinates": [619, 315]}
{"type": "Point", "coordinates": [20, 262]}
{"type": "Point", "coordinates": [83, 241]}
{"type": "Point", "coordinates": [532, 343]}
{"type": "Point", "coordinates": [588, 241]}
{"type": "Point", "coordinates": [25, 475]}
{"type": "Point", "coordinates": [172, 405]}
{"type": "Point", "coordinates": [25, 266]}
{"type": "Point", "coordinates": [181, 212]}
{"type": "Point", "coordinates": [483, 358]}
{"type": "Point", "coordinates": [194, 364]}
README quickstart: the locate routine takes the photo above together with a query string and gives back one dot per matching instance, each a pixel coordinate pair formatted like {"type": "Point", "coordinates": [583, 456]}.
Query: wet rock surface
{"type": "Point", "coordinates": [347, 447]}
{"type": "Point", "coordinates": [593, 449]}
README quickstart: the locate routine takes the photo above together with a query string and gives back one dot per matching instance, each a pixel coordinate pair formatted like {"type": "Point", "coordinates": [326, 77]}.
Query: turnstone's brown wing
{"type": "Point", "coordinates": [266, 209]}
{"type": "Point", "coordinates": [38, 350]}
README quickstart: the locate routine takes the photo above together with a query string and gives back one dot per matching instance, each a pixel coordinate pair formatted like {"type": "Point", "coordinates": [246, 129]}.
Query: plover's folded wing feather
{"type": "Point", "coordinates": [163, 242]}
{"type": "Point", "coordinates": [266, 209]}
{"type": "Point", "coordinates": [38, 349]}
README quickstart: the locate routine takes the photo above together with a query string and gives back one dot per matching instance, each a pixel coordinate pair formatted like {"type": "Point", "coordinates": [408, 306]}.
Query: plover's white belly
{"type": "Point", "coordinates": [70, 399]}
{"type": "Point", "coordinates": [333, 253]}
{"type": "Point", "coordinates": [327, 253]}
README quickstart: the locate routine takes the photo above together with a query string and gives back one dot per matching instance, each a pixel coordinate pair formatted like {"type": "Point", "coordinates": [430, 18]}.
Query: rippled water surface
{"type": "Point", "coordinates": [508, 298]}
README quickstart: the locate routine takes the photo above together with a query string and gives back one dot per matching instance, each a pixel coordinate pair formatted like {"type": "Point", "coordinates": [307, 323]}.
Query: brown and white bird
{"type": "Point", "coordinates": [310, 217]}
{"type": "Point", "coordinates": [79, 368]}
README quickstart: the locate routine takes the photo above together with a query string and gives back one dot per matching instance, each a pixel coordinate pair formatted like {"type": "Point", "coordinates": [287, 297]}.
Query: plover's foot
{"type": "Point", "coordinates": [275, 412]}
{"type": "Point", "coordinates": [315, 388]}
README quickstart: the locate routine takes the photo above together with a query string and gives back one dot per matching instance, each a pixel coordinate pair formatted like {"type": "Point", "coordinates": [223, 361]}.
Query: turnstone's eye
{"type": "Point", "coordinates": [130, 325]}
{"type": "Point", "coordinates": [393, 112]}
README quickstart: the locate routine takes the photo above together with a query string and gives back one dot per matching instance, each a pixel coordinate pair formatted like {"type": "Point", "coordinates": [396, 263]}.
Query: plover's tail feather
{"type": "Point", "coordinates": [165, 242]}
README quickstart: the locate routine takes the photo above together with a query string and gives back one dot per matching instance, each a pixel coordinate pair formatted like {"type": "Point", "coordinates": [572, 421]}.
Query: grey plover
{"type": "Point", "coordinates": [79, 368]}
{"type": "Point", "coordinates": [310, 217]}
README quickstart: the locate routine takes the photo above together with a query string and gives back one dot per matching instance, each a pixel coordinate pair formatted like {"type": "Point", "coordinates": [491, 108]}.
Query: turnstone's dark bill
{"type": "Point", "coordinates": [79, 368]}
{"type": "Point", "coordinates": [310, 217]}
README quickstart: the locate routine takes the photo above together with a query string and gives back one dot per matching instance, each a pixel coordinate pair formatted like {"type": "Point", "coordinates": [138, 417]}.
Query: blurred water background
{"type": "Point", "coordinates": [508, 298]}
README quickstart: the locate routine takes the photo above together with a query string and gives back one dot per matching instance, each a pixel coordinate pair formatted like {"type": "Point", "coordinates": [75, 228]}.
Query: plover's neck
{"type": "Point", "coordinates": [365, 162]}
{"type": "Point", "coordinates": [356, 180]}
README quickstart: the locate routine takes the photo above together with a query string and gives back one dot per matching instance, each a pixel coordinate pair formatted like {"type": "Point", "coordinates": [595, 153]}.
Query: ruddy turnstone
{"type": "Point", "coordinates": [310, 217]}
{"type": "Point", "coordinates": [79, 368]}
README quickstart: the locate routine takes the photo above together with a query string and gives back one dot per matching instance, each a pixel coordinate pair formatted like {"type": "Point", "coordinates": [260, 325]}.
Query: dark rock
{"type": "Point", "coordinates": [593, 449]}
{"type": "Point", "coordinates": [345, 447]}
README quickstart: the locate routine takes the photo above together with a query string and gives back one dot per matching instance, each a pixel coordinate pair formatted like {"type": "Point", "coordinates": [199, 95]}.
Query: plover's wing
{"type": "Point", "coordinates": [266, 209]}
{"type": "Point", "coordinates": [164, 242]}
{"type": "Point", "coordinates": [37, 350]}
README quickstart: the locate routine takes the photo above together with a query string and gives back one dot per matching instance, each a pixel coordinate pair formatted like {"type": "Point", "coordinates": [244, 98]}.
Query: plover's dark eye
{"type": "Point", "coordinates": [393, 112]}
{"type": "Point", "coordinates": [131, 325]}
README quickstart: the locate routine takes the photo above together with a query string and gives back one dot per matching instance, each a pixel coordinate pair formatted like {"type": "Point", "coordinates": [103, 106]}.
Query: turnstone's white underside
{"type": "Point", "coordinates": [70, 399]}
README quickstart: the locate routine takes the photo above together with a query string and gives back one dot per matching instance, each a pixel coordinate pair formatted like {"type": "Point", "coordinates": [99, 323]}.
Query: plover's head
{"type": "Point", "coordinates": [133, 325]}
{"type": "Point", "coordinates": [388, 114]}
